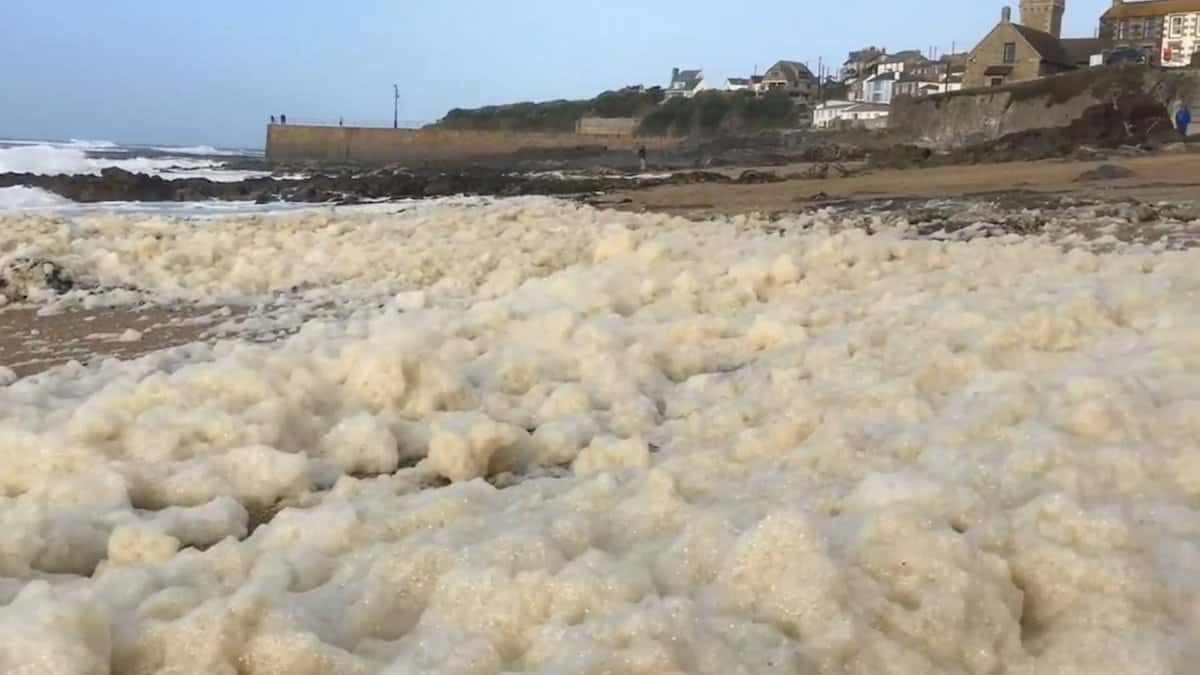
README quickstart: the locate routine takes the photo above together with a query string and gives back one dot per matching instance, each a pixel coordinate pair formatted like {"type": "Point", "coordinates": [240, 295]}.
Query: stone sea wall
{"type": "Point", "coordinates": [417, 146]}
{"type": "Point", "coordinates": [973, 116]}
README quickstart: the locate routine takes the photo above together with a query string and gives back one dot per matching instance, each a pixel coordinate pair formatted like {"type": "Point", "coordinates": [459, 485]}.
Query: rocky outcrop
{"type": "Point", "coordinates": [119, 185]}
{"type": "Point", "coordinates": [976, 116]}
{"type": "Point", "coordinates": [1137, 120]}
{"type": "Point", "coordinates": [352, 187]}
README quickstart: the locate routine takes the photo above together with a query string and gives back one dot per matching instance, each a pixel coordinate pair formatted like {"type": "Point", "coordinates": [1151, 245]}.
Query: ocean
{"type": "Point", "coordinates": [90, 157]}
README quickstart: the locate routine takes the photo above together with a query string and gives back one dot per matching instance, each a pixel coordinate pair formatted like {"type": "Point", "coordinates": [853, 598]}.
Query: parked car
{"type": "Point", "coordinates": [1126, 55]}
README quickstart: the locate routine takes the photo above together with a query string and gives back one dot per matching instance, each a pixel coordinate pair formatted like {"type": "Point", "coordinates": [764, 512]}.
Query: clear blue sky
{"type": "Point", "coordinates": [171, 71]}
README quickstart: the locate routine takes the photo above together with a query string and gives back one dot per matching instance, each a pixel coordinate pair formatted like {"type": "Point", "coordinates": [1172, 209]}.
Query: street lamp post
{"type": "Point", "coordinates": [396, 107]}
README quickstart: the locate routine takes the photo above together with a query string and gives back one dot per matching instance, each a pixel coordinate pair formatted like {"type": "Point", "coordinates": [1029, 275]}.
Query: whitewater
{"type": "Point", "coordinates": [79, 157]}
{"type": "Point", "coordinates": [536, 437]}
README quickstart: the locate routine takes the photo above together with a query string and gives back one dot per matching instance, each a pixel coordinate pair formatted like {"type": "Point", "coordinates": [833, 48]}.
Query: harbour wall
{"type": "Point", "coordinates": [289, 143]}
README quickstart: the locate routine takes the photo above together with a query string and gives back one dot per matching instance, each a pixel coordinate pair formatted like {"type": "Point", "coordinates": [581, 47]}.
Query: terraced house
{"type": "Point", "coordinates": [1166, 31]}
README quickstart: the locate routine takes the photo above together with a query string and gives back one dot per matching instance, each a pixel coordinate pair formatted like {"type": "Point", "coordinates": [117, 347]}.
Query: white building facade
{"type": "Point", "coordinates": [684, 84]}
{"type": "Point", "coordinates": [879, 88]}
{"type": "Point", "coordinates": [838, 113]}
{"type": "Point", "coordinates": [1181, 39]}
{"type": "Point", "coordinates": [827, 113]}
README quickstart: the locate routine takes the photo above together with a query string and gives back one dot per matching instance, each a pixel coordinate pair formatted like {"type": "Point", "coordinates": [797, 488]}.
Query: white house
{"type": "Point", "coordinates": [901, 62]}
{"type": "Point", "coordinates": [738, 84]}
{"type": "Point", "coordinates": [880, 88]}
{"type": "Point", "coordinates": [684, 84]}
{"type": "Point", "coordinates": [833, 113]}
{"type": "Point", "coordinates": [866, 114]}
{"type": "Point", "coordinates": [1181, 39]}
{"type": "Point", "coordinates": [825, 114]}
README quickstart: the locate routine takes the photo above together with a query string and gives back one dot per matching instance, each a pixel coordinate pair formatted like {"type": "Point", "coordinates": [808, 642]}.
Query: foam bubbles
{"type": "Point", "coordinates": [541, 438]}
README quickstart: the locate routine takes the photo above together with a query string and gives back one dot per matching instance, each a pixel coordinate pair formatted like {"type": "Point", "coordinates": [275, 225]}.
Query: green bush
{"type": "Point", "coordinates": [711, 112]}
{"type": "Point", "coordinates": [552, 115]}
{"type": "Point", "coordinates": [707, 114]}
{"type": "Point", "coordinates": [666, 118]}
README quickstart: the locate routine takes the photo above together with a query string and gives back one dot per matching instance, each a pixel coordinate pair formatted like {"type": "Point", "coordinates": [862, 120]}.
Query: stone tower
{"type": "Point", "coordinates": [1044, 15]}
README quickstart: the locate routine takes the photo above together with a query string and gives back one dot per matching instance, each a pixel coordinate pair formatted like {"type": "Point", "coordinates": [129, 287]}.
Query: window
{"type": "Point", "coordinates": [1176, 26]}
{"type": "Point", "coordinates": [997, 81]}
{"type": "Point", "coordinates": [1010, 52]}
{"type": "Point", "coordinates": [1136, 30]}
{"type": "Point", "coordinates": [1122, 30]}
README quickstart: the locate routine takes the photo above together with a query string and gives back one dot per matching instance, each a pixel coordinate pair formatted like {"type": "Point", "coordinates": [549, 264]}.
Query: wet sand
{"type": "Point", "coordinates": [30, 343]}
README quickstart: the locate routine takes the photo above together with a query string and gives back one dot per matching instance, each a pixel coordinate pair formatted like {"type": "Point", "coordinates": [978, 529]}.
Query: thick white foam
{"type": "Point", "coordinates": [725, 447]}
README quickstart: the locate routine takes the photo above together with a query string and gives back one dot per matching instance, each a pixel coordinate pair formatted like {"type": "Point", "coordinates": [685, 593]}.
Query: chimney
{"type": "Point", "coordinates": [1118, 3]}
{"type": "Point", "coordinates": [674, 74]}
{"type": "Point", "coordinates": [1006, 14]}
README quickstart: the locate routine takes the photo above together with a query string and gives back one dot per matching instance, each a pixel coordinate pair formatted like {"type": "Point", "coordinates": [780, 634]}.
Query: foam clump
{"type": "Point", "coordinates": [541, 438]}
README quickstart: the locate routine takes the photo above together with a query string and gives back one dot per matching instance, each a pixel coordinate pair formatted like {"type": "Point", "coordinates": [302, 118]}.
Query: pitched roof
{"type": "Point", "coordinates": [879, 77]}
{"type": "Point", "coordinates": [1080, 50]}
{"type": "Point", "coordinates": [792, 71]}
{"type": "Point", "coordinates": [863, 55]}
{"type": "Point", "coordinates": [868, 107]}
{"type": "Point", "coordinates": [925, 77]}
{"type": "Point", "coordinates": [739, 81]}
{"type": "Point", "coordinates": [1046, 45]}
{"type": "Point", "coordinates": [906, 56]}
{"type": "Point", "coordinates": [690, 79]}
{"type": "Point", "coordinates": [1132, 10]}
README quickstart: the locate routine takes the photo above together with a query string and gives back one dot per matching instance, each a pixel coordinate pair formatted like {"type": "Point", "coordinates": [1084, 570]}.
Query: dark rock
{"type": "Point", "coordinates": [1130, 120]}
{"type": "Point", "coordinates": [1106, 172]}
{"type": "Point", "coordinates": [901, 156]}
{"type": "Point", "coordinates": [691, 177]}
{"type": "Point", "coordinates": [753, 177]}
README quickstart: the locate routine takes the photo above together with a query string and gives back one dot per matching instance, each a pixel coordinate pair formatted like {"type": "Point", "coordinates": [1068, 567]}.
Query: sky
{"type": "Point", "coordinates": [212, 72]}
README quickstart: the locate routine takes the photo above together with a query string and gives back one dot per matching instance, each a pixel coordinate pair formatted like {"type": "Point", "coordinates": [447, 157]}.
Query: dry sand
{"type": "Point", "coordinates": [1159, 177]}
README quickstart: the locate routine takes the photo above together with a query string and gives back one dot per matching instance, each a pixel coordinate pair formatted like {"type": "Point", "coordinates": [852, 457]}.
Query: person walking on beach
{"type": "Point", "coordinates": [341, 122]}
{"type": "Point", "coordinates": [1183, 119]}
{"type": "Point", "coordinates": [642, 157]}
{"type": "Point", "coordinates": [283, 120]}
{"type": "Point", "coordinates": [272, 120]}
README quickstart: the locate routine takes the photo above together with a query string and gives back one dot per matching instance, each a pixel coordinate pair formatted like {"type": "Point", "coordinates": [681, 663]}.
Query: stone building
{"type": "Point", "coordinates": [792, 78]}
{"type": "Point", "coordinates": [1034, 48]}
{"type": "Point", "coordinates": [1044, 15]}
{"type": "Point", "coordinates": [1163, 30]}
